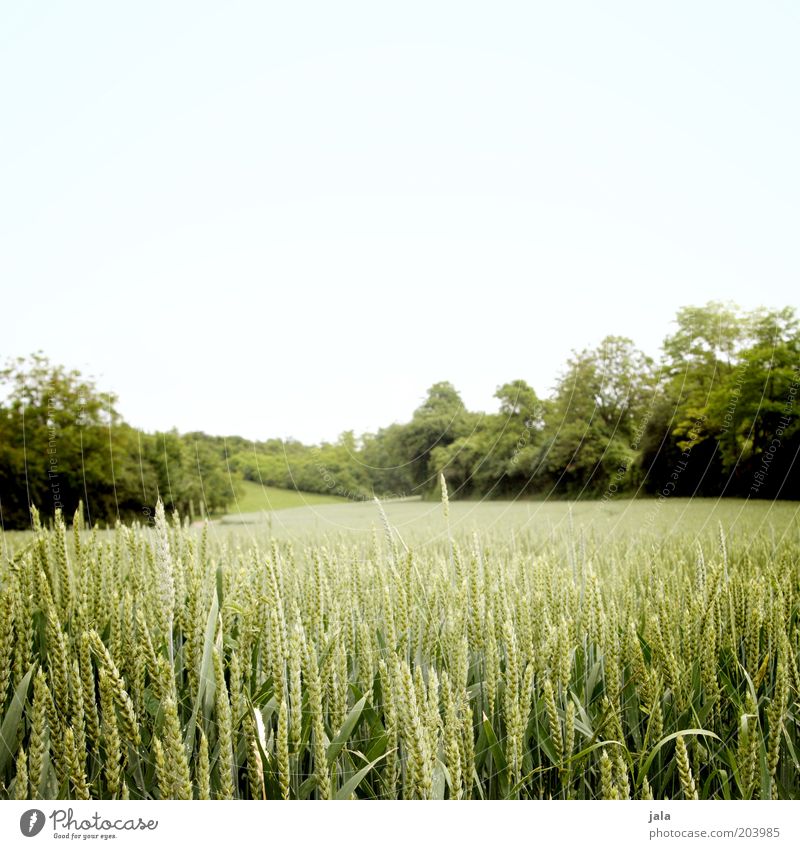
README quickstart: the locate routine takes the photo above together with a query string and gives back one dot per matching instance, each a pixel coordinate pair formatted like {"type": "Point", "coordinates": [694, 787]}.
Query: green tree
{"type": "Point", "coordinates": [755, 404]}
{"type": "Point", "coordinates": [591, 429]}
{"type": "Point", "coordinates": [62, 441]}
{"type": "Point", "coordinates": [56, 438]}
{"type": "Point", "coordinates": [495, 457]}
{"type": "Point", "coordinates": [440, 420]}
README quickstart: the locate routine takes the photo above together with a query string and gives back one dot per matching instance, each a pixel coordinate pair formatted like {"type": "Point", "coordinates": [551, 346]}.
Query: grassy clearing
{"type": "Point", "coordinates": [591, 653]}
{"type": "Point", "coordinates": [255, 498]}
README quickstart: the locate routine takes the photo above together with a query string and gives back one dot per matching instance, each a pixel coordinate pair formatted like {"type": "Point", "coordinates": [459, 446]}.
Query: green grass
{"type": "Point", "coordinates": [254, 498]}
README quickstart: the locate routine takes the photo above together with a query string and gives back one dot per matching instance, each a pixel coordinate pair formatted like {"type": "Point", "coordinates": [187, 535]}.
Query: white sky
{"type": "Point", "coordinates": [291, 218]}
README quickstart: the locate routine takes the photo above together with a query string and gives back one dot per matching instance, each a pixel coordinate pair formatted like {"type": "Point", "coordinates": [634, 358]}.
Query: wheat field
{"type": "Point", "coordinates": [166, 661]}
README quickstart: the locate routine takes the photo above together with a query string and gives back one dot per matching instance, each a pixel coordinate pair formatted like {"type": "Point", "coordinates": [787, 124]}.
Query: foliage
{"type": "Point", "coordinates": [62, 442]}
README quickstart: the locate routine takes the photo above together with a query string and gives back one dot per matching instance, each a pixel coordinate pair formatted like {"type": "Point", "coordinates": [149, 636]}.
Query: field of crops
{"type": "Point", "coordinates": [425, 651]}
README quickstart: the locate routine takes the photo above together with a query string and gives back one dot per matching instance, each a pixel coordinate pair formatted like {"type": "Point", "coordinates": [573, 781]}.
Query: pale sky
{"type": "Point", "coordinates": [291, 218]}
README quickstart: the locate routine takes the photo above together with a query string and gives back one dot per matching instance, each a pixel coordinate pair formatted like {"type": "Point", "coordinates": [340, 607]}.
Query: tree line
{"type": "Point", "coordinates": [715, 415]}
{"type": "Point", "coordinates": [62, 442]}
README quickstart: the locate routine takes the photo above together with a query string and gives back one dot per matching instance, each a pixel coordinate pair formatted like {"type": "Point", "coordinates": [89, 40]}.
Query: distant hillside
{"type": "Point", "coordinates": [253, 497]}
